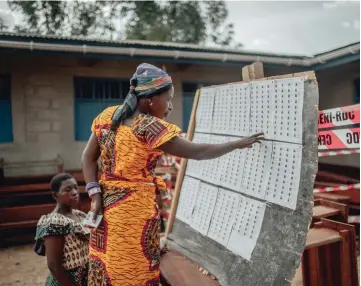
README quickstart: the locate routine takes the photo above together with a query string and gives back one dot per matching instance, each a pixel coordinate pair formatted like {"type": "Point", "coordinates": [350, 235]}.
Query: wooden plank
{"type": "Point", "coordinates": [182, 168]}
{"type": "Point", "coordinates": [333, 197]}
{"type": "Point", "coordinates": [20, 224]}
{"type": "Point", "coordinates": [23, 191]}
{"type": "Point", "coordinates": [345, 258]}
{"type": "Point", "coordinates": [321, 236]}
{"type": "Point", "coordinates": [253, 71]}
{"type": "Point", "coordinates": [25, 213]}
{"type": "Point", "coordinates": [308, 75]}
{"type": "Point", "coordinates": [178, 270]}
{"type": "Point", "coordinates": [351, 240]}
{"type": "Point", "coordinates": [323, 211]}
{"type": "Point", "coordinates": [166, 170]}
{"type": "Point", "coordinates": [26, 188]}
{"type": "Point", "coordinates": [335, 263]}
{"type": "Point", "coordinates": [21, 214]}
{"type": "Point", "coordinates": [343, 208]}
{"type": "Point", "coordinates": [354, 194]}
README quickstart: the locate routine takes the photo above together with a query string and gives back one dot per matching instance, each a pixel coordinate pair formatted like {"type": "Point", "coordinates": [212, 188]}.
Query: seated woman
{"type": "Point", "coordinates": [61, 237]}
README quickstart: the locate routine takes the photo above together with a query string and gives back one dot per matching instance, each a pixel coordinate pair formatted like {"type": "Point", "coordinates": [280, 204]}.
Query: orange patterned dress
{"type": "Point", "coordinates": [124, 250]}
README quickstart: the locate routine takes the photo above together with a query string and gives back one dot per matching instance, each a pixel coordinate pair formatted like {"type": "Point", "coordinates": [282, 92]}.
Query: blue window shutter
{"type": "Point", "coordinates": [6, 134]}
{"type": "Point", "coordinates": [92, 96]}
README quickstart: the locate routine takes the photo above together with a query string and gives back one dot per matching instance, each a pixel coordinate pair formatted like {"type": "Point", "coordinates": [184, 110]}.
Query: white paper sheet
{"type": "Point", "coordinates": [220, 121]}
{"type": "Point", "coordinates": [187, 199]}
{"type": "Point", "coordinates": [213, 168]}
{"type": "Point", "coordinates": [283, 185]}
{"type": "Point", "coordinates": [247, 227]}
{"type": "Point", "coordinates": [204, 207]}
{"type": "Point", "coordinates": [239, 110]}
{"type": "Point", "coordinates": [204, 112]}
{"type": "Point", "coordinates": [224, 216]}
{"type": "Point", "coordinates": [262, 108]}
{"type": "Point", "coordinates": [233, 167]}
{"type": "Point", "coordinates": [256, 170]}
{"type": "Point", "coordinates": [288, 98]}
{"type": "Point", "coordinates": [196, 168]}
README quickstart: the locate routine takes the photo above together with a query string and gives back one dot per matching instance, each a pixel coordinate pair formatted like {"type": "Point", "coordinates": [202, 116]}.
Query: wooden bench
{"type": "Point", "coordinates": [27, 216]}
{"type": "Point", "coordinates": [29, 188]}
{"type": "Point", "coordinates": [57, 164]}
{"type": "Point", "coordinates": [329, 209]}
{"type": "Point", "coordinates": [177, 270]}
{"type": "Point", "coordinates": [16, 216]}
{"type": "Point", "coordinates": [333, 197]}
{"type": "Point", "coordinates": [329, 258]}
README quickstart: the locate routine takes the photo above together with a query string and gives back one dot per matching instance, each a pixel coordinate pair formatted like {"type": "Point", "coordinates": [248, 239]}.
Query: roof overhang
{"type": "Point", "coordinates": [173, 52]}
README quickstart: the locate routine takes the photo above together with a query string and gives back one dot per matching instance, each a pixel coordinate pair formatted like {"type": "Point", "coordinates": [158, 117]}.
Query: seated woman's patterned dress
{"type": "Point", "coordinates": [125, 249]}
{"type": "Point", "coordinates": [76, 246]}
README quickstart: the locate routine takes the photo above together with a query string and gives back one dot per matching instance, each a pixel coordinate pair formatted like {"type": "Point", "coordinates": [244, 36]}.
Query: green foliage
{"type": "Point", "coordinates": [66, 18]}
{"type": "Point", "coordinates": [193, 22]}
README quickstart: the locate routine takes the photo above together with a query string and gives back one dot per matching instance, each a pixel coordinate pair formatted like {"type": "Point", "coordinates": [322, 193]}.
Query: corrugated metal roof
{"type": "Point", "coordinates": [172, 51]}
{"type": "Point", "coordinates": [140, 43]}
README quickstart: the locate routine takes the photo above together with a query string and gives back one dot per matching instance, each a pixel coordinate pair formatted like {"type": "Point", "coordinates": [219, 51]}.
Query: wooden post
{"type": "Point", "coordinates": [59, 164]}
{"type": "Point", "coordinates": [182, 168]}
{"type": "Point", "coordinates": [252, 72]}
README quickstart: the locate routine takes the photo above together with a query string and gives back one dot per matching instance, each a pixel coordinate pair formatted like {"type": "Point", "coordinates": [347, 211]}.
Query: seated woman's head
{"type": "Point", "coordinates": [65, 189]}
{"type": "Point", "coordinates": [151, 92]}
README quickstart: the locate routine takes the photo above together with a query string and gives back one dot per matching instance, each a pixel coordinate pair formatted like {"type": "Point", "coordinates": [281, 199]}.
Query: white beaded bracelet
{"type": "Point", "coordinates": [93, 191]}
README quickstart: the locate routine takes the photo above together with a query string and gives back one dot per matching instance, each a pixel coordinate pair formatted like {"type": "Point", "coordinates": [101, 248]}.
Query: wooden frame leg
{"type": "Point", "coordinates": [345, 256]}
{"type": "Point", "coordinates": [310, 267]}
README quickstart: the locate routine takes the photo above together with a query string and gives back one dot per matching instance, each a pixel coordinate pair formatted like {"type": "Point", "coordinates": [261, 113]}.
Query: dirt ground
{"type": "Point", "coordinates": [21, 266]}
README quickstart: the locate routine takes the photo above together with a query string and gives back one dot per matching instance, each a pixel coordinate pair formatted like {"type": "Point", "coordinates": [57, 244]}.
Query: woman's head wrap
{"type": "Point", "coordinates": [147, 81]}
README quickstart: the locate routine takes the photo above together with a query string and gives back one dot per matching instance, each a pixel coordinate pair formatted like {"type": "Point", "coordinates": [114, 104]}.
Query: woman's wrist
{"type": "Point", "coordinates": [93, 188]}
{"type": "Point", "coordinates": [94, 191]}
{"type": "Point", "coordinates": [96, 196]}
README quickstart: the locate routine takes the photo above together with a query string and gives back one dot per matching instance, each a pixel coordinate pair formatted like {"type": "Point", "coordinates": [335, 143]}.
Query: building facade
{"type": "Point", "coordinates": [50, 91]}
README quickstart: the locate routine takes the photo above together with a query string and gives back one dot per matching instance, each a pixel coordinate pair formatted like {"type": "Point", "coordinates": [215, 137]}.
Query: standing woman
{"type": "Point", "coordinates": [129, 139]}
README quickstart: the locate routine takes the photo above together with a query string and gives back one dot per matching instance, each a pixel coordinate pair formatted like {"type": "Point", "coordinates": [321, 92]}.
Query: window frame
{"type": "Point", "coordinates": [356, 92]}
{"type": "Point", "coordinates": [6, 138]}
{"type": "Point", "coordinates": [103, 102]}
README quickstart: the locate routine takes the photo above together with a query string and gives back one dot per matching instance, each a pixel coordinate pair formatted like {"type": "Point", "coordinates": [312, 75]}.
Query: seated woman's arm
{"type": "Point", "coordinates": [54, 246]}
{"type": "Point", "coordinates": [185, 149]}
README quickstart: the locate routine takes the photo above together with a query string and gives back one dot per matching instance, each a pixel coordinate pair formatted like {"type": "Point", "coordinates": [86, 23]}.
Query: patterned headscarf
{"type": "Point", "coordinates": [146, 81]}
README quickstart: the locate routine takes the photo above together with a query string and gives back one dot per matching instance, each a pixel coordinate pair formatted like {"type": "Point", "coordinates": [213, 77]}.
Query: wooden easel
{"type": "Point", "coordinates": [253, 72]}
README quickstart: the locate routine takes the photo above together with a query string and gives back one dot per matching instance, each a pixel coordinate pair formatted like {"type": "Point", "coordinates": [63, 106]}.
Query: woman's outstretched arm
{"type": "Point", "coordinates": [185, 149]}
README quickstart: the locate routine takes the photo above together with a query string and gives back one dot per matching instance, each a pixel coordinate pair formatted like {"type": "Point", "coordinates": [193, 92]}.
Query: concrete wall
{"type": "Point", "coordinates": [43, 98]}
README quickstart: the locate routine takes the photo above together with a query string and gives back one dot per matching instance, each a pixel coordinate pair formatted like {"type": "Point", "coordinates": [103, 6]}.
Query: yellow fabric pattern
{"type": "Point", "coordinates": [124, 250]}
